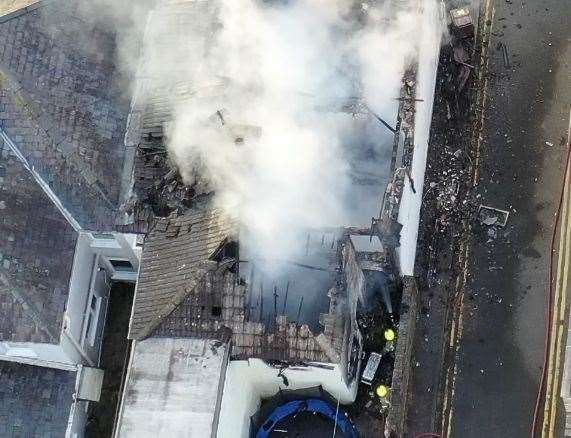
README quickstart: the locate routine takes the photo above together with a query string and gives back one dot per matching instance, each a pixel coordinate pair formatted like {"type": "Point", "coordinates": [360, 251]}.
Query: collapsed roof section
{"type": "Point", "coordinates": [192, 284]}
{"type": "Point", "coordinates": [157, 187]}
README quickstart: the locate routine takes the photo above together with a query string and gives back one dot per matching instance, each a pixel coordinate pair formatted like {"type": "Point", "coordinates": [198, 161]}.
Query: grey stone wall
{"type": "Point", "coordinates": [403, 355]}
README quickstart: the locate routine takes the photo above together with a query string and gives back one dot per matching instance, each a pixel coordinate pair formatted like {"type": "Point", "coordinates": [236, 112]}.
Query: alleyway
{"type": "Point", "coordinates": [114, 357]}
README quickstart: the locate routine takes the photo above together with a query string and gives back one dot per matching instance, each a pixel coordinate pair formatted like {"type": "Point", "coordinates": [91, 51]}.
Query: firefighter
{"type": "Point", "coordinates": [390, 339]}
{"type": "Point", "coordinates": [390, 335]}
{"type": "Point", "coordinates": [383, 391]}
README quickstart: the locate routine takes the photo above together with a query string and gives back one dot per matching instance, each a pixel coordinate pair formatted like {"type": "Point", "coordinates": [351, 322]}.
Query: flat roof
{"type": "Point", "coordinates": [173, 388]}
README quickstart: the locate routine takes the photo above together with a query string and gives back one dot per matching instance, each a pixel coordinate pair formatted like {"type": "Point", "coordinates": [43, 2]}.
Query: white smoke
{"type": "Point", "coordinates": [260, 121]}
{"type": "Point", "coordinates": [266, 131]}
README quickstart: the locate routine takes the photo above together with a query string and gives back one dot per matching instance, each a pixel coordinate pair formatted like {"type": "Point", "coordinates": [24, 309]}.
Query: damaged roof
{"type": "Point", "coordinates": [33, 281]}
{"type": "Point", "coordinates": [184, 290]}
{"type": "Point", "coordinates": [157, 187]}
{"type": "Point", "coordinates": [176, 255]}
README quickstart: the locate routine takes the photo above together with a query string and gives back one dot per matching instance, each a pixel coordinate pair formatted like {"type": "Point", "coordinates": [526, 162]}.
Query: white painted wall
{"type": "Point", "coordinates": [249, 381]}
{"type": "Point", "coordinates": [409, 211]}
{"type": "Point", "coordinates": [81, 279]}
{"type": "Point", "coordinates": [77, 414]}
{"type": "Point", "coordinates": [77, 420]}
{"type": "Point", "coordinates": [91, 276]}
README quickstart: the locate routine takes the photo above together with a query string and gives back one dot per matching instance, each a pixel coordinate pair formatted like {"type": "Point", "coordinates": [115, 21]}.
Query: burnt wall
{"type": "Point", "coordinates": [355, 287]}
{"type": "Point", "coordinates": [403, 358]}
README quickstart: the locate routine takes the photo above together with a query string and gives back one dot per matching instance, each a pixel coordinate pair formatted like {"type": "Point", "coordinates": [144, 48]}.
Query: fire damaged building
{"type": "Point", "coordinates": [226, 337]}
{"type": "Point", "coordinates": [297, 331]}
{"type": "Point", "coordinates": [260, 341]}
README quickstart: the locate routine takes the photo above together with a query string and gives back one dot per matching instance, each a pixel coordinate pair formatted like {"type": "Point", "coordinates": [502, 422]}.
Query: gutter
{"type": "Point", "coordinates": [121, 406]}
{"type": "Point", "coordinates": [40, 363]}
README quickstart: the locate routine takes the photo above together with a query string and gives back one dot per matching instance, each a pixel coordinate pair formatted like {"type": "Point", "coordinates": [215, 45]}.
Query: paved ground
{"type": "Point", "coordinates": [523, 138]}
{"type": "Point", "coordinates": [522, 146]}
{"type": "Point", "coordinates": [494, 364]}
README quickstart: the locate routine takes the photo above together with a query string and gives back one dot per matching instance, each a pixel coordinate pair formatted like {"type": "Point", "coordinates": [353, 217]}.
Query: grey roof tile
{"type": "Point", "coordinates": [60, 104]}
{"type": "Point", "coordinates": [34, 401]}
{"type": "Point", "coordinates": [176, 255]}
{"type": "Point", "coordinates": [36, 256]}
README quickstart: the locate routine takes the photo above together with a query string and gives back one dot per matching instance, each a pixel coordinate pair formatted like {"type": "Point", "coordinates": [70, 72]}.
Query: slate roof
{"type": "Point", "coordinates": [62, 112]}
{"type": "Point", "coordinates": [36, 255]}
{"type": "Point", "coordinates": [176, 254]}
{"type": "Point", "coordinates": [62, 105]}
{"type": "Point", "coordinates": [34, 401]}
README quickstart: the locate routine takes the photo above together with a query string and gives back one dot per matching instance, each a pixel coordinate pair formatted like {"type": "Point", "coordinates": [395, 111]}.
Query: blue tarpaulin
{"type": "Point", "coordinates": [310, 405]}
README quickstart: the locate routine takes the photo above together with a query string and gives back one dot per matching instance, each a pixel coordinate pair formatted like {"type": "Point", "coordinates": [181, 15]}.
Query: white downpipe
{"type": "Point", "coordinates": [79, 349]}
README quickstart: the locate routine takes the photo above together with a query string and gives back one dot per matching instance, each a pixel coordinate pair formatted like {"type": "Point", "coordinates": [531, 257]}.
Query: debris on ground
{"type": "Point", "coordinates": [492, 216]}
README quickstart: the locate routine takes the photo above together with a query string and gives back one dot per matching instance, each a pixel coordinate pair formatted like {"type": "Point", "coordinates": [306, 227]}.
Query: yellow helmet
{"type": "Point", "coordinates": [390, 334]}
{"type": "Point", "coordinates": [383, 391]}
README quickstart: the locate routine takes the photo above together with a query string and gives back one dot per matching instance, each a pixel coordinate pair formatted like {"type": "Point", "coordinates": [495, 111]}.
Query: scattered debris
{"type": "Point", "coordinates": [492, 216]}
{"type": "Point", "coordinates": [461, 23]}
{"type": "Point", "coordinates": [504, 49]}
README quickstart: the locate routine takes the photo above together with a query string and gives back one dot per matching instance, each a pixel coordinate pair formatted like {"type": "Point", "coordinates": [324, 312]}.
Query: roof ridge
{"type": "Point", "coordinates": [40, 181]}
{"type": "Point", "coordinates": [32, 6]}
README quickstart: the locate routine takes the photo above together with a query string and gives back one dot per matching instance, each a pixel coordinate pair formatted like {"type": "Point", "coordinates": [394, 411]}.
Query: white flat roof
{"type": "Point", "coordinates": [172, 388]}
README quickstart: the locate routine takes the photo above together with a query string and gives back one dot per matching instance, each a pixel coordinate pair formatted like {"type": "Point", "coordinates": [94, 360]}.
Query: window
{"type": "Point", "coordinates": [121, 265]}
{"type": "Point", "coordinates": [88, 325]}
{"type": "Point", "coordinates": [108, 236]}
{"type": "Point", "coordinates": [216, 311]}
{"type": "Point", "coordinates": [92, 318]}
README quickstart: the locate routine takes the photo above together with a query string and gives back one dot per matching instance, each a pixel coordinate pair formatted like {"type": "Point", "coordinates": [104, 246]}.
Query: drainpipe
{"type": "Point", "coordinates": [79, 349]}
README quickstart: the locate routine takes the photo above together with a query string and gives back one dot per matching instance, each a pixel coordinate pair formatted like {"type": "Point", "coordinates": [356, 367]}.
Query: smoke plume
{"type": "Point", "coordinates": [277, 112]}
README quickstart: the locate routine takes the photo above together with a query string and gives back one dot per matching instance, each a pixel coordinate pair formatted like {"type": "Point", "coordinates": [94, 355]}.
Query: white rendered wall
{"type": "Point", "coordinates": [77, 420]}
{"type": "Point", "coordinates": [247, 382]}
{"type": "Point", "coordinates": [409, 211]}
{"type": "Point", "coordinates": [91, 275]}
